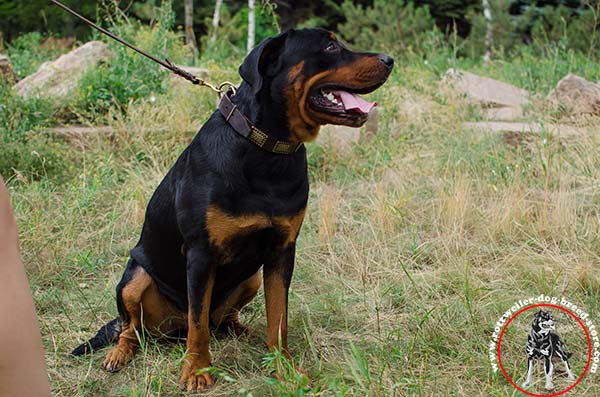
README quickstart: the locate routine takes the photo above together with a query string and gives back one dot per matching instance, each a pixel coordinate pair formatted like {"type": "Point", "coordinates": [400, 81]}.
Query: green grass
{"type": "Point", "coordinates": [414, 245]}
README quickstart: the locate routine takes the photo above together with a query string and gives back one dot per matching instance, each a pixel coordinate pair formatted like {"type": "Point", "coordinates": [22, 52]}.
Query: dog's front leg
{"type": "Point", "coordinates": [529, 373]}
{"type": "Point", "coordinates": [277, 277]}
{"type": "Point", "coordinates": [548, 369]}
{"type": "Point", "coordinates": [200, 281]}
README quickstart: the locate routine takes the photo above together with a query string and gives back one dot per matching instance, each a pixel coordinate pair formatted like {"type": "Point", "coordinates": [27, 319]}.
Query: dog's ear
{"type": "Point", "coordinates": [264, 59]}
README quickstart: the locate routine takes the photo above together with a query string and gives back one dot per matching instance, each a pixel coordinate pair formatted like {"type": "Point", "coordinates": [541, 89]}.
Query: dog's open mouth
{"type": "Point", "coordinates": [343, 104]}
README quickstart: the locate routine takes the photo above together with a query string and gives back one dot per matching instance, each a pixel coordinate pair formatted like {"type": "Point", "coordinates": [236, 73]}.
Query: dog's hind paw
{"type": "Point", "coordinates": [525, 384]}
{"type": "Point", "coordinates": [549, 386]}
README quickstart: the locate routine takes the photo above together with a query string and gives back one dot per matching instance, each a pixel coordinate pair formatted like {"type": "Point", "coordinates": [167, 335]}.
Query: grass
{"type": "Point", "coordinates": [413, 246]}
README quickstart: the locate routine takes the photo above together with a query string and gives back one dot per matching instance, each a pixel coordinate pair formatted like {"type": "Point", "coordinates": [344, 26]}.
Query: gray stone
{"type": "Point", "coordinates": [485, 91]}
{"type": "Point", "coordinates": [575, 95]}
{"type": "Point", "coordinates": [58, 79]}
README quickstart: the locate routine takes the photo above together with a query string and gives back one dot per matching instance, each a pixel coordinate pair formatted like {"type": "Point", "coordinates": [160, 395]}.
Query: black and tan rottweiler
{"type": "Point", "coordinates": [235, 200]}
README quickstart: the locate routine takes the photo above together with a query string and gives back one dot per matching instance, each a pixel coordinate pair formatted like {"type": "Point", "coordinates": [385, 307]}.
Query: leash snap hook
{"type": "Point", "coordinates": [222, 88]}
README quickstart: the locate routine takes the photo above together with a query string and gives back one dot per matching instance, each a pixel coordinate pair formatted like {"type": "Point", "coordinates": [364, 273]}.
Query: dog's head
{"type": "Point", "coordinates": [311, 78]}
{"type": "Point", "coordinates": [543, 322]}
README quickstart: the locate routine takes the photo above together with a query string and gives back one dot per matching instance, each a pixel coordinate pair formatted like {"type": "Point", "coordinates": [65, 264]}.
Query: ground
{"type": "Point", "coordinates": [415, 243]}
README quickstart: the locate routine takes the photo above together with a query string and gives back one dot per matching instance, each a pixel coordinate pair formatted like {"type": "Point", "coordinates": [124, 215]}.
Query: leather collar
{"type": "Point", "coordinates": [245, 128]}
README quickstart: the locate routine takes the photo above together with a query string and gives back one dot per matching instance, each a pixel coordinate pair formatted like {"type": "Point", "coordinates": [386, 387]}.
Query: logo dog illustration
{"type": "Point", "coordinates": [544, 343]}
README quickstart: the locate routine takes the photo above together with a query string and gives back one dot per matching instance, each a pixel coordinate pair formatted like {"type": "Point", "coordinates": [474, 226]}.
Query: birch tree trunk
{"type": "Point", "coordinates": [487, 13]}
{"type": "Point", "coordinates": [215, 21]}
{"type": "Point", "coordinates": [251, 21]}
{"type": "Point", "coordinates": [190, 37]}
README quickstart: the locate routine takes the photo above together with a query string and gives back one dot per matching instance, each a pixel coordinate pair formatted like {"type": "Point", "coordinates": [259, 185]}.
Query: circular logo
{"type": "Point", "coordinates": [545, 346]}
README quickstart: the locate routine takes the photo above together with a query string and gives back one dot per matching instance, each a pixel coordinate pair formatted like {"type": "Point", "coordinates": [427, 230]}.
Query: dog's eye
{"type": "Point", "coordinates": [332, 47]}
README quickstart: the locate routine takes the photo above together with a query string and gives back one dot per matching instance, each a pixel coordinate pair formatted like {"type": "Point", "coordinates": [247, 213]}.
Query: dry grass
{"type": "Point", "coordinates": [412, 248]}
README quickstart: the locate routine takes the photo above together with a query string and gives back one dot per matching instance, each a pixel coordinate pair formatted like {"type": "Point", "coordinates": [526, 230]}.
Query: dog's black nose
{"type": "Point", "coordinates": [387, 60]}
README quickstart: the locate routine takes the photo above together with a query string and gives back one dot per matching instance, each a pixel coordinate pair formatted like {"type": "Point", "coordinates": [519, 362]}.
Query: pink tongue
{"type": "Point", "coordinates": [353, 101]}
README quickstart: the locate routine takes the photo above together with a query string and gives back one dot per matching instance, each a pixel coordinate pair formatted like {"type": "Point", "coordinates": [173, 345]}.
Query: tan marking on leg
{"type": "Point", "coordinates": [276, 302]}
{"type": "Point", "coordinates": [222, 226]}
{"type": "Point", "coordinates": [226, 315]}
{"type": "Point", "coordinates": [198, 354]}
{"type": "Point", "coordinates": [160, 316]}
{"type": "Point", "coordinates": [131, 294]}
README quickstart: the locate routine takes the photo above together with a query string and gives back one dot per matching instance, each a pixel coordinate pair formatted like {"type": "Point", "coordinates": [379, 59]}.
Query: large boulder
{"type": "Point", "coordinates": [575, 95]}
{"type": "Point", "coordinates": [485, 91]}
{"type": "Point", "coordinates": [6, 71]}
{"type": "Point", "coordinates": [58, 79]}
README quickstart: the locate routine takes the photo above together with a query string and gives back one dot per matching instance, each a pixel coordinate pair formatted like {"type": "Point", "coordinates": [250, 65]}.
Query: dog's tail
{"type": "Point", "coordinates": [108, 334]}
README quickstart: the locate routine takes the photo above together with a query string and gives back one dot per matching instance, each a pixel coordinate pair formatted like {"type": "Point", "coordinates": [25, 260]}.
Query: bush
{"type": "Point", "coordinates": [129, 75]}
{"type": "Point", "coordinates": [28, 155]}
{"type": "Point", "coordinates": [27, 53]}
{"type": "Point", "coordinates": [232, 33]}
{"type": "Point", "coordinates": [540, 27]}
{"type": "Point", "coordinates": [394, 26]}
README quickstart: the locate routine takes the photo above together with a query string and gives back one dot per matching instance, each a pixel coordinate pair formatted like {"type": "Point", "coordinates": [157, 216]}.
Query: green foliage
{"type": "Point", "coordinates": [232, 32]}
{"type": "Point", "coordinates": [574, 28]}
{"type": "Point", "coordinates": [130, 76]}
{"type": "Point", "coordinates": [288, 382]}
{"type": "Point", "coordinates": [393, 26]}
{"type": "Point", "coordinates": [27, 54]}
{"type": "Point", "coordinates": [21, 153]}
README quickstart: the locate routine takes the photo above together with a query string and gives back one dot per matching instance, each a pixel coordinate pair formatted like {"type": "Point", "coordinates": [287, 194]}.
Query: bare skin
{"type": "Point", "coordinates": [22, 365]}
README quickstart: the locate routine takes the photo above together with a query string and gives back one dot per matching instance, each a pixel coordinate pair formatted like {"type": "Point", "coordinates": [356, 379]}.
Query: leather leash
{"type": "Point", "coordinates": [234, 117]}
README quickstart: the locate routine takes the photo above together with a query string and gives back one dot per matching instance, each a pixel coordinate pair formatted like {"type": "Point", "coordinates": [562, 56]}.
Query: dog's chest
{"type": "Point", "coordinates": [230, 234]}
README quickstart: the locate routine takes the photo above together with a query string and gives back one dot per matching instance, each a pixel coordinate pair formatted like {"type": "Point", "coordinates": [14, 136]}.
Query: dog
{"type": "Point", "coordinates": [235, 199]}
{"type": "Point", "coordinates": [543, 342]}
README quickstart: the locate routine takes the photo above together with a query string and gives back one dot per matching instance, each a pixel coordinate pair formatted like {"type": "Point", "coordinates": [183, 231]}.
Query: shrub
{"type": "Point", "coordinates": [232, 32]}
{"type": "Point", "coordinates": [395, 26]}
{"type": "Point", "coordinates": [129, 75]}
{"type": "Point", "coordinates": [27, 53]}
{"type": "Point", "coordinates": [26, 154]}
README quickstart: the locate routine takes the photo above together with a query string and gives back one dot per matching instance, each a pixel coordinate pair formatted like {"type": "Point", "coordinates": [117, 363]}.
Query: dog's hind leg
{"type": "Point", "coordinates": [129, 297]}
{"type": "Point", "coordinates": [529, 373]}
{"type": "Point", "coordinates": [563, 357]}
{"type": "Point", "coordinates": [225, 316]}
{"type": "Point", "coordinates": [548, 369]}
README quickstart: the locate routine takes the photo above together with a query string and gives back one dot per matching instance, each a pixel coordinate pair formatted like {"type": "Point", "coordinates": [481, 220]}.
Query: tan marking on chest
{"type": "Point", "coordinates": [222, 226]}
{"type": "Point", "coordinates": [290, 225]}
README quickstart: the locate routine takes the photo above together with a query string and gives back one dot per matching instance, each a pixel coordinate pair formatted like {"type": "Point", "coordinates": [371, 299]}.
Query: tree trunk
{"type": "Point", "coordinates": [251, 21]}
{"type": "Point", "coordinates": [215, 21]}
{"type": "Point", "coordinates": [190, 37]}
{"type": "Point", "coordinates": [489, 33]}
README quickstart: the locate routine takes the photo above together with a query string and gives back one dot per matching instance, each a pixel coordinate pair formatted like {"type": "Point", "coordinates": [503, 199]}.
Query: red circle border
{"type": "Point", "coordinates": [587, 334]}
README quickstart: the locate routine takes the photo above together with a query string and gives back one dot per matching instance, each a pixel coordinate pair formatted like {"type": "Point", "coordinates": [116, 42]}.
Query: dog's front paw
{"type": "Point", "coordinates": [194, 375]}
{"type": "Point", "coordinates": [549, 386]}
{"type": "Point", "coordinates": [116, 358]}
{"type": "Point", "coordinates": [525, 384]}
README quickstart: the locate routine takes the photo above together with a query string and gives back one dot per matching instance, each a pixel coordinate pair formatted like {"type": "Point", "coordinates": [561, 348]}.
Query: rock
{"type": "Point", "coordinates": [554, 129]}
{"type": "Point", "coordinates": [338, 138]}
{"type": "Point", "coordinates": [485, 91]}
{"type": "Point", "coordinates": [6, 71]}
{"type": "Point", "coordinates": [58, 79]}
{"type": "Point", "coordinates": [505, 113]}
{"type": "Point", "coordinates": [575, 95]}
